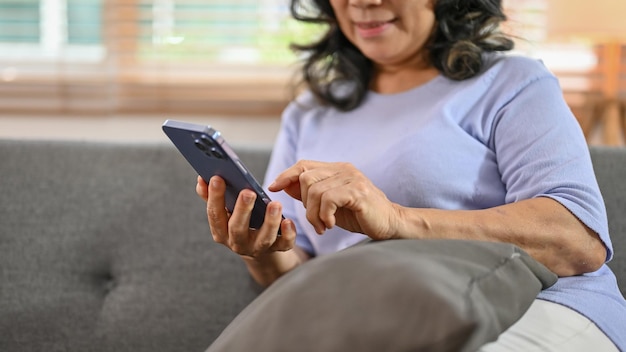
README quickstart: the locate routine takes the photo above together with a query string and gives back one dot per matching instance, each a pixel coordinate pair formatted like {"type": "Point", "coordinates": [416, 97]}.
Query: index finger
{"type": "Point", "coordinates": [289, 179]}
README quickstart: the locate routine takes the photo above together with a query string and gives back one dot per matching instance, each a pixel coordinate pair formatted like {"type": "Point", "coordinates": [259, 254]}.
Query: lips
{"type": "Point", "coordinates": [372, 29]}
{"type": "Point", "coordinates": [369, 25]}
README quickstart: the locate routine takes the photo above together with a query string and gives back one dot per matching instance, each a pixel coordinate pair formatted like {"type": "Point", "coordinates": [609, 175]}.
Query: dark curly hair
{"type": "Point", "coordinates": [338, 74]}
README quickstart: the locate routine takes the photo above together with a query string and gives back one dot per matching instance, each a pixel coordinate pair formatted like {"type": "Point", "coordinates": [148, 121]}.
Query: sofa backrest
{"type": "Point", "coordinates": [105, 247]}
{"type": "Point", "coordinates": [610, 168]}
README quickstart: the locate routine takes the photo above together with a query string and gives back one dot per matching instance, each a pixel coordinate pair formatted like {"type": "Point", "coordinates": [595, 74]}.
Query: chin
{"type": "Point", "coordinates": [379, 59]}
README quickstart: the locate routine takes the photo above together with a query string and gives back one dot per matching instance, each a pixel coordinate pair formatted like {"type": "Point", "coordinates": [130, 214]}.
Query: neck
{"type": "Point", "coordinates": [390, 79]}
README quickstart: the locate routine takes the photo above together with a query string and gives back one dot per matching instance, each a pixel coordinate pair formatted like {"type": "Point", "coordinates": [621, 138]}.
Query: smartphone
{"type": "Point", "coordinates": [209, 154]}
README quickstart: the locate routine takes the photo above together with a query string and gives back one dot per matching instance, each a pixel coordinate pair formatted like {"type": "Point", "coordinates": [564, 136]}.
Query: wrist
{"type": "Point", "coordinates": [409, 223]}
{"type": "Point", "coordinates": [268, 267]}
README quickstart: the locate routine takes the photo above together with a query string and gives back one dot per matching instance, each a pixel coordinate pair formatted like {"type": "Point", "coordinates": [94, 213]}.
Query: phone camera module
{"type": "Point", "coordinates": [208, 147]}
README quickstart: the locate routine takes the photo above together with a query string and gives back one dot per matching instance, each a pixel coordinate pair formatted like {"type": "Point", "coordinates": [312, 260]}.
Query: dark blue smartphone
{"type": "Point", "coordinates": [209, 154]}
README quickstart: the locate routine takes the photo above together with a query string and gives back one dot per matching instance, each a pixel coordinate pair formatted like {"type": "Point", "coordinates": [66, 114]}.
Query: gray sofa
{"type": "Point", "coordinates": [105, 247]}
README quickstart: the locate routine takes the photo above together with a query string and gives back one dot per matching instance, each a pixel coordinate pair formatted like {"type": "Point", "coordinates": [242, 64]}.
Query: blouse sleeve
{"type": "Point", "coordinates": [541, 152]}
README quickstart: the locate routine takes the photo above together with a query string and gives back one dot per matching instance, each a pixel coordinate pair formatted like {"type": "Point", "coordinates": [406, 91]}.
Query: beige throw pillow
{"type": "Point", "coordinates": [400, 295]}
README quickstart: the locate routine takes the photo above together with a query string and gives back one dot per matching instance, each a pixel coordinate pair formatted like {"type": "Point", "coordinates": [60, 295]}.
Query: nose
{"type": "Point", "coordinates": [365, 3]}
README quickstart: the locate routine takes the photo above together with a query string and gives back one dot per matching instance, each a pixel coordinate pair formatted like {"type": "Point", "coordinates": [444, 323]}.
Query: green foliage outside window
{"type": "Point", "coordinates": [224, 31]}
{"type": "Point", "coordinates": [235, 33]}
{"type": "Point", "coordinates": [19, 21]}
{"type": "Point", "coordinates": [84, 19]}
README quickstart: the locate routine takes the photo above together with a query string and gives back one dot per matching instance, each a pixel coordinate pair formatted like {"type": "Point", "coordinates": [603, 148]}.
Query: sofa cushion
{"type": "Point", "coordinates": [401, 295]}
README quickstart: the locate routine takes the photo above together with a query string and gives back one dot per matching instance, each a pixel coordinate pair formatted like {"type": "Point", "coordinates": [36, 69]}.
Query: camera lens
{"type": "Point", "coordinates": [200, 145]}
{"type": "Point", "coordinates": [207, 141]}
{"type": "Point", "coordinates": [216, 153]}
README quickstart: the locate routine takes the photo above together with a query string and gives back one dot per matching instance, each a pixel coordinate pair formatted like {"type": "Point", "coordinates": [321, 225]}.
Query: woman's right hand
{"type": "Point", "coordinates": [232, 230]}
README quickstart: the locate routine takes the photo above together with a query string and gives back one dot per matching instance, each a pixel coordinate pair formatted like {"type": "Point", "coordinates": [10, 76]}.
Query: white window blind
{"type": "Point", "coordinates": [108, 56]}
{"type": "Point", "coordinates": [199, 56]}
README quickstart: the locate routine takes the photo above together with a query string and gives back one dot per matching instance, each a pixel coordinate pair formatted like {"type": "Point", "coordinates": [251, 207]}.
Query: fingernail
{"type": "Point", "coordinates": [273, 211]}
{"type": "Point", "coordinates": [292, 226]}
{"type": "Point", "coordinates": [248, 198]}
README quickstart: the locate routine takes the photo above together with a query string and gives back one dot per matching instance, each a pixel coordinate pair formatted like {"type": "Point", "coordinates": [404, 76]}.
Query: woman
{"type": "Point", "coordinates": [415, 126]}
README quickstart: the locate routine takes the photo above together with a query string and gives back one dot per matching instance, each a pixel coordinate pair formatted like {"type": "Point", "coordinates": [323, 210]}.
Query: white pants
{"type": "Point", "coordinates": [552, 327]}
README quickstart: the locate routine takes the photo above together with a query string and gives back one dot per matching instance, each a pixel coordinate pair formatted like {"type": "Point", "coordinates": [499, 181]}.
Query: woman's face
{"type": "Point", "coordinates": [389, 32]}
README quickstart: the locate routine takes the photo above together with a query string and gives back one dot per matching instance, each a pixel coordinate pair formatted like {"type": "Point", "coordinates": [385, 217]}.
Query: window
{"type": "Point", "coordinates": [46, 30]}
{"type": "Point", "coordinates": [147, 55]}
{"type": "Point", "coordinates": [199, 56]}
{"type": "Point", "coordinates": [19, 21]}
{"type": "Point", "coordinates": [528, 24]}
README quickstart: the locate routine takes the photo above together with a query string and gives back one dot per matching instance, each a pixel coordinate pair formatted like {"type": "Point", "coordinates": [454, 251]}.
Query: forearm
{"type": "Point", "coordinates": [269, 267]}
{"type": "Point", "coordinates": [542, 227]}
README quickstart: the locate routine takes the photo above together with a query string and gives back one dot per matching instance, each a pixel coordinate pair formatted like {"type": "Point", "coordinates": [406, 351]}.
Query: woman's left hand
{"type": "Point", "coordinates": [337, 194]}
